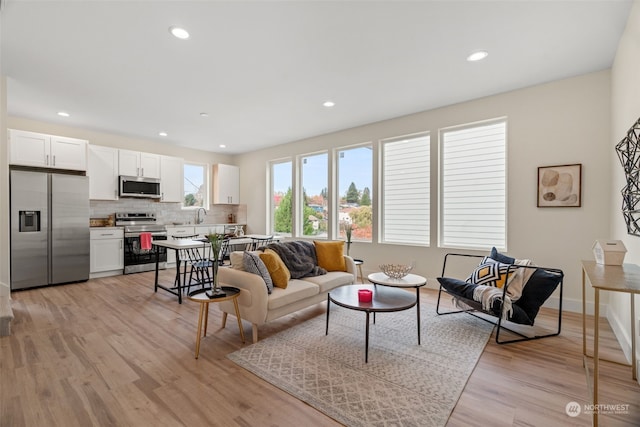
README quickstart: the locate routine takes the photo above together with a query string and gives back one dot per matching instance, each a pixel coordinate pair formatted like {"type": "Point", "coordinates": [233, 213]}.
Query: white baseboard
{"type": "Point", "coordinates": [621, 332]}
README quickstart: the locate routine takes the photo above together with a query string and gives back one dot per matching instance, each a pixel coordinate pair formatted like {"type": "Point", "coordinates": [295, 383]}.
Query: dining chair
{"type": "Point", "coordinates": [189, 258]}
{"type": "Point", "coordinates": [258, 242]}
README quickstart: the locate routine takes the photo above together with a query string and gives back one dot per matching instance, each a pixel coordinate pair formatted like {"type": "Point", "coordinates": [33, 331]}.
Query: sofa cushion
{"type": "Point", "coordinates": [461, 289]}
{"type": "Point", "coordinates": [331, 280]}
{"type": "Point", "coordinates": [253, 264]}
{"type": "Point", "coordinates": [330, 255]}
{"type": "Point", "coordinates": [237, 260]}
{"type": "Point", "coordinates": [490, 273]}
{"type": "Point", "coordinates": [505, 259]}
{"type": "Point", "coordinates": [537, 290]}
{"type": "Point", "coordinates": [277, 270]}
{"type": "Point", "coordinates": [297, 290]}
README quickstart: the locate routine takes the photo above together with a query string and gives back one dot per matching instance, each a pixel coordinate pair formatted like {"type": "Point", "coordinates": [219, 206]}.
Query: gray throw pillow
{"type": "Point", "coordinates": [253, 264]}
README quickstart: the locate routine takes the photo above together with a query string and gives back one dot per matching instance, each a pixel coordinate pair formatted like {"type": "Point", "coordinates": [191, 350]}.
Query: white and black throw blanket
{"type": "Point", "coordinates": [300, 258]}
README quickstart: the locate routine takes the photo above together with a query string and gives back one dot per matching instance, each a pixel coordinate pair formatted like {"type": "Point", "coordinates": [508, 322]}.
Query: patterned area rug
{"type": "Point", "coordinates": [403, 383]}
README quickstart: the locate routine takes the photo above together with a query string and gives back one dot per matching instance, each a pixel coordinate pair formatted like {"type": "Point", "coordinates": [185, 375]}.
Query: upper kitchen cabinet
{"type": "Point", "coordinates": [103, 173]}
{"type": "Point", "coordinates": [171, 179]}
{"type": "Point", "coordinates": [226, 184]}
{"type": "Point", "coordinates": [47, 151]}
{"type": "Point", "coordinates": [135, 163]}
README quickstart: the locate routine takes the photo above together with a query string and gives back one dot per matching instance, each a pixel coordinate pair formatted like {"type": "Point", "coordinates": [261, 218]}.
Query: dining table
{"type": "Point", "coordinates": [178, 244]}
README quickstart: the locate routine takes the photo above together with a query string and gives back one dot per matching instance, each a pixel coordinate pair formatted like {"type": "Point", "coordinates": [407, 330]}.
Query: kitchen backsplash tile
{"type": "Point", "coordinates": [168, 213]}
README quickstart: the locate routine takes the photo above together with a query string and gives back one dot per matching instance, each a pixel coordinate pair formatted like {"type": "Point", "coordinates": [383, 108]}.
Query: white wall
{"type": "Point", "coordinates": [561, 122]}
{"type": "Point", "coordinates": [625, 111]}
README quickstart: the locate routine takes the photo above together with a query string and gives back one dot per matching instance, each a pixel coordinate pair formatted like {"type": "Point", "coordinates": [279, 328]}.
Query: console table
{"type": "Point", "coordinates": [614, 278]}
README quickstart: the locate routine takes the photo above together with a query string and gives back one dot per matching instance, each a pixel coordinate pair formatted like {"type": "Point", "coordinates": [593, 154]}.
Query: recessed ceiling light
{"type": "Point", "coordinates": [163, 134]}
{"type": "Point", "coordinates": [222, 146]}
{"type": "Point", "coordinates": [178, 32]}
{"type": "Point", "coordinates": [329, 104]}
{"type": "Point", "coordinates": [63, 114]}
{"type": "Point", "coordinates": [204, 115]}
{"type": "Point", "coordinates": [477, 56]}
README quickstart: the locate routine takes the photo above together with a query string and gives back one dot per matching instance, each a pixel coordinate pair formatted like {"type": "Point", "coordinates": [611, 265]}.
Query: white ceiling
{"type": "Point", "coordinates": [262, 69]}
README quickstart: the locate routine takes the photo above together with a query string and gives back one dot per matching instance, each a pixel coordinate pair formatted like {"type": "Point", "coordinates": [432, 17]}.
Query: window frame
{"type": "Point", "coordinates": [381, 188]}
{"type": "Point", "coordinates": [336, 195]}
{"type": "Point", "coordinates": [270, 226]}
{"type": "Point", "coordinates": [299, 207]}
{"type": "Point", "coordinates": [441, 182]}
{"type": "Point", "coordinates": [206, 202]}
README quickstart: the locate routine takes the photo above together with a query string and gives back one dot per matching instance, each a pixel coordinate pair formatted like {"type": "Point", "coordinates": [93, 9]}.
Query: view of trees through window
{"type": "Point", "coordinates": [281, 198]}
{"type": "Point", "coordinates": [315, 169]}
{"type": "Point", "coordinates": [355, 177]}
{"type": "Point", "coordinates": [354, 198]}
{"type": "Point", "coordinates": [195, 185]}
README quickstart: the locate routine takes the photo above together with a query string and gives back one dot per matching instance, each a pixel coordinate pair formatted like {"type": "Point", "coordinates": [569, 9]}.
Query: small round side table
{"type": "Point", "coordinates": [200, 296]}
{"type": "Point", "coordinates": [408, 281]}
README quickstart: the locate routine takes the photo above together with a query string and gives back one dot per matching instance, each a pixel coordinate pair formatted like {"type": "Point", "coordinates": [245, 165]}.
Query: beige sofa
{"type": "Point", "coordinates": [259, 307]}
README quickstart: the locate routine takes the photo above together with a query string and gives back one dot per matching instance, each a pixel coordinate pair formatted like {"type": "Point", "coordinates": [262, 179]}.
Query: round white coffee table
{"type": "Point", "coordinates": [408, 281]}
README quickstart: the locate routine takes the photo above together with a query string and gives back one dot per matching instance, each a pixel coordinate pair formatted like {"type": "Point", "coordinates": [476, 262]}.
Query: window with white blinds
{"type": "Point", "coordinates": [405, 185]}
{"type": "Point", "coordinates": [473, 186]}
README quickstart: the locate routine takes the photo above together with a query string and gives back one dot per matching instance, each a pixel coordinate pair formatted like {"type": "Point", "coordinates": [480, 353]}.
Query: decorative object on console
{"type": "Point", "coordinates": [609, 252]}
{"type": "Point", "coordinates": [629, 154]}
{"type": "Point", "coordinates": [216, 246]}
{"type": "Point", "coordinates": [560, 186]}
{"type": "Point", "coordinates": [396, 271]}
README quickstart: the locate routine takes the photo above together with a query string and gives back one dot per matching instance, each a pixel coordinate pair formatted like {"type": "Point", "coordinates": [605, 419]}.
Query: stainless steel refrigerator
{"type": "Point", "coordinates": [49, 228]}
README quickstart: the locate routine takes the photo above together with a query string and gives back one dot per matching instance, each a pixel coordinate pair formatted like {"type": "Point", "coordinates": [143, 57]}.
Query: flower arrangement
{"type": "Point", "coordinates": [348, 229]}
{"type": "Point", "coordinates": [216, 246]}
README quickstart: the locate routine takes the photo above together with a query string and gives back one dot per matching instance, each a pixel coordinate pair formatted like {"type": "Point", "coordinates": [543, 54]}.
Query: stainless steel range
{"type": "Point", "coordinates": [137, 259]}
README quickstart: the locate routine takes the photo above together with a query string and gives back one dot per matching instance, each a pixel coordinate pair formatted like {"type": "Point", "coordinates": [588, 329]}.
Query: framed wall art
{"type": "Point", "coordinates": [560, 186]}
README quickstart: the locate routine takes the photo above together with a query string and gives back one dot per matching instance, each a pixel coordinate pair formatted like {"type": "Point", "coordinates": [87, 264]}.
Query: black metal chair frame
{"type": "Point", "coordinates": [477, 307]}
{"type": "Point", "coordinates": [224, 251]}
{"type": "Point", "coordinates": [258, 243]}
{"type": "Point", "coordinates": [199, 263]}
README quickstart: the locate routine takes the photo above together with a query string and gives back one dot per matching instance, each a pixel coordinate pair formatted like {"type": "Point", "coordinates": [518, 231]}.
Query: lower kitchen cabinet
{"type": "Point", "coordinates": [107, 252]}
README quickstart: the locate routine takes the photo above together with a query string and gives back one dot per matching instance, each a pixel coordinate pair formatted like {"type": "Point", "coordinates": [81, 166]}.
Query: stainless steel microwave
{"type": "Point", "coordinates": [138, 186]}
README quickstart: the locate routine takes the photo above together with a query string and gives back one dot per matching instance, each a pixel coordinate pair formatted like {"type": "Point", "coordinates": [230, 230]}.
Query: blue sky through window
{"type": "Point", "coordinates": [355, 166]}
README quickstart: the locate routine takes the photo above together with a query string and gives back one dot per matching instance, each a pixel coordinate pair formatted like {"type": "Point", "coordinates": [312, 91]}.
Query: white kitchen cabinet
{"type": "Point", "coordinates": [103, 173]}
{"type": "Point", "coordinates": [107, 251]}
{"type": "Point", "coordinates": [47, 151]}
{"type": "Point", "coordinates": [178, 232]}
{"type": "Point", "coordinates": [136, 163]}
{"type": "Point", "coordinates": [226, 184]}
{"type": "Point", "coordinates": [171, 179]}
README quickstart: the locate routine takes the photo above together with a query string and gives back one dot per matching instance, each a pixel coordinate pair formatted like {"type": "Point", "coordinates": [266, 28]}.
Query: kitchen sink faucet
{"type": "Point", "coordinates": [200, 220]}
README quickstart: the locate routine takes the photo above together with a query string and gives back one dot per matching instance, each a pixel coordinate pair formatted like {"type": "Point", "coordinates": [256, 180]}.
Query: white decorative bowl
{"type": "Point", "coordinates": [396, 271]}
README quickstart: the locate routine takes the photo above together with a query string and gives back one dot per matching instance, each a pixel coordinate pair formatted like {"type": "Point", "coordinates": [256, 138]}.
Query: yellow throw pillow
{"type": "Point", "coordinates": [279, 272]}
{"type": "Point", "coordinates": [330, 255]}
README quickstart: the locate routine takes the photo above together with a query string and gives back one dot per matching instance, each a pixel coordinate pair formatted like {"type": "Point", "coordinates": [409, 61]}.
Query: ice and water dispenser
{"type": "Point", "coordinates": [29, 221]}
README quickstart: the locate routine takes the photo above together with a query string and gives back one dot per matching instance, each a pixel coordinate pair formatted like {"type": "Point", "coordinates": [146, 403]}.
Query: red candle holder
{"type": "Point", "coordinates": [365, 295]}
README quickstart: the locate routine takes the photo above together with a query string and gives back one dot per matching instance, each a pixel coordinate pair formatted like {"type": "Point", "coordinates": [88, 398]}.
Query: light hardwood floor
{"type": "Point", "coordinates": [112, 352]}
